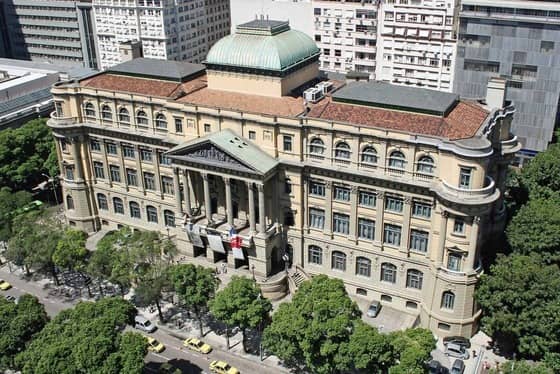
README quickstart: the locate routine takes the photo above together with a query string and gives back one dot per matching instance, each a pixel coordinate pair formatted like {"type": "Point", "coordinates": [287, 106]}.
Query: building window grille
{"type": "Point", "coordinates": [397, 160]}
{"type": "Point", "coordinates": [448, 300]}
{"type": "Point", "coordinates": [363, 266]}
{"type": "Point", "coordinates": [366, 229]}
{"type": "Point", "coordinates": [338, 261]}
{"type": "Point", "coordinates": [106, 113]}
{"type": "Point", "coordinates": [115, 172]}
{"type": "Point", "coordinates": [394, 204]}
{"type": "Point", "coordinates": [369, 156]}
{"type": "Point", "coordinates": [454, 262]}
{"type": "Point", "coordinates": [111, 148]}
{"type": "Point", "coordinates": [414, 279]}
{"type": "Point", "coordinates": [341, 223]}
{"type": "Point", "coordinates": [89, 110]}
{"type": "Point", "coordinates": [419, 241]}
{"type": "Point", "coordinates": [422, 210]}
{"type": "Point", "coordinates": [465, 177]}
{"type": "Point", "coordinates": [152, 214]}
{"type": "Point", "coordinates": [118, 206]}
{"type": "Point", "coordinates": [135, 210]}
{"type": "Point", "coordinates": [95, 145]}
{"type": "Point", "coordinates": [342, 151]}
{"type": "Point", "coordinates": [317, 218]}
{"type": "Point", "coordinates": [315, 255]}
{"type": "Point", "coordinates": [146, 155]}
{"type": "Point", "coordinates": [142, 118]}
{"type": "Point", "coordinates": [341, 193]}
{"type": "Point", "coordinates": [102, 202]}
{"type": "Point", "coordinates": [124, 116]}
{"type": "Point", "coordinates": [131, 177]}
{"type": "Point", "coordinates": [169, 218]}
{"type": "Point", "coordinates": [128, 151]}
{"type": "Point", "coordinates": [167, 185]}
{"type": "Point", "coordinates": [149, 181]}
{"type": "Point", "coordinates": [388, 273]}
{"type": "Point", "coordinates": [317, 148]}
{"type": "Point", "coordinates": [392, 235]}
{"type": "Point", "coordinates": [164, 160]}
{"type": "Point", "coordinates": [161, 121]}
{"type": "Point", "coordinates": [425, 165]}
{"type": "Point", "coordinates": [368, 199]}
{"type": "Point", "coordinates": [98, 170]}
{"type": "Point", "coordinates": [317, 188]}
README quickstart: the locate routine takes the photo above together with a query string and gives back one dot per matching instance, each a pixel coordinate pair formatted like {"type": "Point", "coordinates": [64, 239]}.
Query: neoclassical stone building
{"type": "Point", "coordinates": [392, 189]}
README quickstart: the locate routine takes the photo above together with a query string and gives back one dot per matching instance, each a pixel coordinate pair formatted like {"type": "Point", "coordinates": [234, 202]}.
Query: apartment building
{"type": "Point", "coordinates": [168, 29]}
{"type": "Point", "coordinates": [54, 31]}
{"type": "Point", "coordinates": [417, 43]}
{"type": "Point", "coordinates": [392, 189]}
{"type": "Point", "coordinates": [520, 41]}
{"type": "Point", "coordinates": [346, 33]}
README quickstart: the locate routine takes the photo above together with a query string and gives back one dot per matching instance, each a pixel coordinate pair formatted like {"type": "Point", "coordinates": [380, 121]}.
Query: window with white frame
{"type": "Point", "coordinates": [317, 218]}
{"type": "Point", "coordinates": [419, 240]}
{"type": "Point", "coordinates": [152, 214]}
{"type": "Point", "coordinates": [342, 151]}
{"type": "Point", "coordinates": [124, 116]}
{"type": "Point", "coordinates": [287, 143]}
{"type": "Point", "coordinates": [142, 118]}
{"type": "Point", "coordinates": [149, 181]}
{"type": "Point", "coordinates": [95, 145]}
{"type": "Point", "coordinates": [178, 125]}
{"type": "Point", "coordinates": [366, 229]}
{"type": "Point", "coordinates": [369, 156]}
{"type": "Point", "coordinates": [338, 261]}
{"type": "Point", "coordinates": [106, 113]}
{"type": "Point", "coordinates": [128, 151]}
{"type": "Point", "coordinates": [98, 170]}
{"type": "Point", "coordinates": [161, 121]}
{"type": "Point", "coordinates": [414, 279]}
{"type": "Point", "coordinates": [89, 110]}
{"type": "Point", "coordinates": [167, 185]}
{"type": "Point", "coordinates": [388, 273]}
{"type": "Point", "coordinates": [115, 172]}
{"type": "Point", "coordinates": [421, 210]}
{"type": "Point", "coordinates": [341, 223]}
{"type": "Point", "coordinates": [465, 177]}
{"type": "Point", "coordinates": [367, 198]}
{"type": "Point", "coordinates": [425, 165]}
{"type": "Point", "coordinates": [317, 147]}
{"type": "Point", "coordinates": [448, 300]}
{"type": "Point", "coordinates": [459, 226]}
{"type": "Point", "coordinates": [169, 218]}
{"type": "Point", "coordinates": [163, 159]}
{"type": "Point", "coordinates": [363, 266]}
{"type": "Point", "coordinates": [341, 193]}
{"type": "Point", "coordinates": [135, 210]}
{"type": "Point", "coordinates": [146, 155]}
{"type": "Point", "coordinates": [394, 204]}
{"type": "Point", "coordinates": [118, 206]}
{"type": "Point", "coordinates": [131, 177]}
{"type": "Point", "coordinates": [316, 188]}
{"type": "Point", "coordinates": [454, 261]}
{"type": "Point", "coordinates": [392, 234]}
{"type": "Point", "coordinates": [315, 255]}
{"type": "Point", "coordinates": [397, 160]}
{"type": "Point", "coordinates": [111, 148]}
{"type": "Point", "coordinates": [102, 202]}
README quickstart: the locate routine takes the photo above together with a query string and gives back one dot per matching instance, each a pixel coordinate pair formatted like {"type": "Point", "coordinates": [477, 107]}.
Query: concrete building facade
{"type": "Point", "coordinates": [520, 41]}
{"type": "Point", "coordinates": [392, 189]}
{"type": "Point", "coordinates": [167, 29]}
{"type": "Point", "coordinates": [58, 32]}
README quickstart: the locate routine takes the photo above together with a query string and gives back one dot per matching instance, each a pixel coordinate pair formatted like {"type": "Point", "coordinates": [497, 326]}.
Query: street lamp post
{"type": "Point", "coordinates": [51, 179]}
{"type": "Point", "coordinates": [286, 259]}
{"type": "Point", "coordinates": [253, 269]}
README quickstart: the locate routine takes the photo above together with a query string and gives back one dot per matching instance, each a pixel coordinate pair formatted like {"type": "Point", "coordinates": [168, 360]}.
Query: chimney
{"type": "Point", "coordinates": [496, 93]}
{"type": "Point", "coordinates": [130, 50]}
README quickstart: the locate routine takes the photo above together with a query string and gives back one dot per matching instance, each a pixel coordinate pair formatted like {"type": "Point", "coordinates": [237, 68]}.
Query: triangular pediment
{"type": "Point", "coordinates": [208, 153]}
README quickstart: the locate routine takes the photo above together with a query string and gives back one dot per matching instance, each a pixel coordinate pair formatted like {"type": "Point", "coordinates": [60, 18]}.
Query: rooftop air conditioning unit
{"type": "Point", "coordinates": [313, 94]}
{"type": "Point", "coordinates": [325, 87]}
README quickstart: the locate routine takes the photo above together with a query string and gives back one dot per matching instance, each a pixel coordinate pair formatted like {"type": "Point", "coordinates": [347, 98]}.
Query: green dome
{"type": "Point", "coordinates": [263, 45]}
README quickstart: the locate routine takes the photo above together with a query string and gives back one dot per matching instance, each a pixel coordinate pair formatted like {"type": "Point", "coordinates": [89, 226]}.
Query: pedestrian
{"type": "Point", "coordinates": [224, 268]}
{"type": "Point", "coordinates": [217, 271]}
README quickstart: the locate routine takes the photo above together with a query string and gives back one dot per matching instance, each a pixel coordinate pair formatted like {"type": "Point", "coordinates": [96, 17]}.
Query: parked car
{"type": "Point", "coordinates": [458, 367]}
{"type": "Point", "coordinates": [457, 351]}
{"type": "Point", "coordinates": [144, 324]}
{"type": "Point", "coordinates": [434, 367]}
{"type": "Point", "coordinates": [4, 285]}
{"type": "Point", "coordinates": [154, 345]}
{"type": "Point", "coordinates": [167, 368]}
{"type": "Point", "coordinates": [374, 309]}
{"type": "Point", "coordinates": [459, 340]}
{"type": "Point", "coordinates": [11, 299]}
{"type": "Point", "coordinates": [222, 367]}
{"type": "Point", "coordinates": [197, 345]}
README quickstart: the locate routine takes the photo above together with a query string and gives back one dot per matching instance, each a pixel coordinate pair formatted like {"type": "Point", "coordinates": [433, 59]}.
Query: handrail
{"type": "Point", "coordinates": [474, 193]}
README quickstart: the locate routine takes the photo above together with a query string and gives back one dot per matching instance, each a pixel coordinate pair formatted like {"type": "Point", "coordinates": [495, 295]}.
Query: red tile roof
{"type": "Point", "coordinates": [142, 86]}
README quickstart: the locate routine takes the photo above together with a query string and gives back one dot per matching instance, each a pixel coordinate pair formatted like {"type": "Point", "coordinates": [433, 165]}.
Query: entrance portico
{"type": "Point", "coordinates": [222, 182]}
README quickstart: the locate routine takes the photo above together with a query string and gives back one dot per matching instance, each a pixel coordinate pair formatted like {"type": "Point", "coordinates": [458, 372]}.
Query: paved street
{"type": "Point", "coordinates": [189, 362]}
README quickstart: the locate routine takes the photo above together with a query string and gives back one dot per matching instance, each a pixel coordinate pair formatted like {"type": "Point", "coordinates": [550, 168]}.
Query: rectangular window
{"type": "Point", "coordinates": [115, 173]}
{"type": "Point", "coordinates": [394, 204]}
{"type": "Point", "coordinates": [459, 226]}
{"type": "Point", "coordinates": [392, 235]}
{"type": "Point", "coordinates": [95, 145]}
{"type": "Point", "coordinates": [341, 193]}
{"type": "Point", "coordinates": [339, 261]}
{"type": "Point", "coordinates": [178, 125]}
{"type": "Point", "coordinates": [454, 262]}
{"type": "Point", "coordinates": [131, 177]}
{"type": "Point", "coordinates": [317, 218]}
{"type": "Point", "coordinates": [207, 127]}
{"type": "Point", "coordinates": [422, 210]}
{"type": "Point", "coordinates": [547, 46]}
{"type": "Point", "coordinates": [163, 159]}
{"type": "Point", "coordinates": [69, 172]}
{"type": "Point", "coordinates": [315, 255]}
{"type": "Point", "coordinates": [341, 223]}
{"type": "Point", "coordinates": [316, 188]}
{"type": "Point", "coordinates": [368, 199]}
{"type": "Point", "coordinates": [135, 211]}
{"type": "Point", "coordinates": [287, 143]}
{"type": "Point", "coordinates": [98, 170]}
{"type": "Point", "coordinates": [128, 151]}
{"type": "Point", "coordinates": [149, 181]}
{"type": "Point", "coordinates": [465, 178]}
{"type": "Point", "coordinates": [167, 185]}
{"type": "Point", "coordinates": [363, 267]}
{"type": "Point", "coordinates": [146, 155]}
{"type": "Point", "coordinates": [366, 229]}
{"type": "Point", "coordinates": [252, 135]}
{"type": "Point", "coordinates": [111, 148]}
{"type": "Point", "coordinates": [419, 240]}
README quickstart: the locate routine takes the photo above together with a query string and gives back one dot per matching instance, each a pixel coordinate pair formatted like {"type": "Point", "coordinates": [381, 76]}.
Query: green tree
{"type": "Point", "coordinates": [240, 304]}
{"type": "Point", "coordinates": [413, 348]}
{"type": "Point", "coordinates": [536, 229]}
{"type": "Point", "coordinates": [18, 324]}
{"type": "Point", "coordinates": [521, 367]}
{"type": "Point", "coordinates": [86, 339]}
{"type": "Point", "coordinates": [71, 250]}
{"type": "Point", "coordinates": [150, 291]}
{"type": "Point", "coordinates": [541, 176]}
{"type": "Point", "coordinates": [26, 153]}
{"type": "Point", "coordinates": [10, 202]}
{"type": "Point", "coordinates": [310, 331]}
{"type": "Point", "coordinates": [520, 300]}
{"type": "Point", "coordinates": [195, 286]}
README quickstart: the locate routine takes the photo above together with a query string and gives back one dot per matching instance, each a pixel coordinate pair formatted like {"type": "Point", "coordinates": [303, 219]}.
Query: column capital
{"type": "Point", "coordinates": [354, 189]}
{"type": "Point", "coordinates": [476, 220]}
{"type": "Point", "coordinates": [381, 195]}
{"type": "Point", "coordinates": [260, 187]}
{"type": "Point", "coordinates": [227, 180]}
{"type": "Point", "coordinates": [204, 176]}
{"type": "Point", "coordinates": [444, 213]}
{"type": "Point", "coordinates": [176, 170]}
{"type": "Point", "coordinates": [408, 200]}
{"type": "Point", "coordinates": [328, 184]}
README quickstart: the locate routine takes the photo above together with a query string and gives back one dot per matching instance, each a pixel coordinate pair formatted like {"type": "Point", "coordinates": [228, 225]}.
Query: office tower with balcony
{"type": "Point", "coordinates": [520, 41]}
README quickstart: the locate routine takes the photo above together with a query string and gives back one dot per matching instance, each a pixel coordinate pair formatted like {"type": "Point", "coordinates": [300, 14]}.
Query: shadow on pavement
{"type": "Point", "coordinates": [185, 367]}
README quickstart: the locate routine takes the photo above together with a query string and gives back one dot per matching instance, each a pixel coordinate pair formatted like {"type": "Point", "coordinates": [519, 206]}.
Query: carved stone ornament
{"type": "Point", "coordinates": [381, 195]}
{"type": "Point", "coordinates": [328, 184]}
{"type": "Point", "coordinates": [444, 213]}
{"type": "Point", "coordinates": [354, 189]}
{"type": "Point", "coordinates": [408, 200]}
{"type": "Point", "coordinates": [213, 154]}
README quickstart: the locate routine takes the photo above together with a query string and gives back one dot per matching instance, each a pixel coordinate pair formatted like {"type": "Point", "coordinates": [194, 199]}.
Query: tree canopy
{"type": "Point", "coordinates": [541, 176]}
{"type": "Point", "coordinates": [10, 202]}
{"type": "Point", "coordinates": [71, 252]}
{"type": "Point", "coordinates": [520, 299]}
{"type": "Point", "coordinates": [413, 349]}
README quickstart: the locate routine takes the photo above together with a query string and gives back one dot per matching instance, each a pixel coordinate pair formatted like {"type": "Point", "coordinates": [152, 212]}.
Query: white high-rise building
{"type": "Point", "coordinates": [417, 42]}
{"type": "Point", "coordinates": [168, 29]}
{"type": "Point", "coordinates": [346, 33]}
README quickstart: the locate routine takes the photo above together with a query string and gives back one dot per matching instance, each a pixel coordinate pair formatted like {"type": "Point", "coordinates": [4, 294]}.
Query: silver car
{"type": "Point", "coordinates": [374, 309]}
{"type": "Point", "coordinates": [144, 324]}
{"type": "Point", "coordinates": [457, 351]}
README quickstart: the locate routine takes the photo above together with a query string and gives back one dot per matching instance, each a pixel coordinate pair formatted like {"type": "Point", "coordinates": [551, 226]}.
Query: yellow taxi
{"type": "Point", "coordinates": [197, 345]}
{"type": "Point", "coordinates": [154, 345]}
{"type": "Point", "coordinates": [221, 367]}
{"type": "Point", "coordinates": [4, 285]}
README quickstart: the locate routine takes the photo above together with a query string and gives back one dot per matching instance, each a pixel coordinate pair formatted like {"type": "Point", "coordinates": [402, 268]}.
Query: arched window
{"type": "Point", "coordinates": [89, 110]}
{"type": "Point", "coordinates": [135, 210]}
{"type": "Point", "coordinates": [397, 160]}
{"type": "Point", "coordinates": [69, 202]}
{"type": "Point", "coordinates": [363, 266]}
{"type": "Point", "coordinates": [369, 155]}
{"type": "Point", "coordinates": [106, 113]}
{"type": "Point", "coordinates": [151, 212]}
{"type": "Point", "coordinates": [317, 147]}
{"type": "Point", "coordinates": [448, 300]}
{"type": "Point", "coordinates": [124, 116]}
{"type": "Point", "coordinates": [315, 255]}
{"type": "Point", "coordinates": [118, 205]}
{"type": "Point", "coordinates": [388, 272]}
{"type": "Point", "coordinates": [414, 279]}
{"type": "Point", "coordinates": [338, 261]}
{"type": "Point", "coordinates": [141, 118]}
{"type": "Point", "coordinates": [161, 121]}
{"type": "Point", "coordinates": [102, 202]}
{"type": "Point", "coordinates": [169, 217]}
{"type": "Point", "coordinates": [425, 165]}
{"type": "Point", "coordinates": [342, 151]}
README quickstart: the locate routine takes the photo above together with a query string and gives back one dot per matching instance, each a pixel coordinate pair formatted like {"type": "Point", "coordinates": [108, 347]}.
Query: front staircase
{"type": "Point", "coordinates": [296, 278]}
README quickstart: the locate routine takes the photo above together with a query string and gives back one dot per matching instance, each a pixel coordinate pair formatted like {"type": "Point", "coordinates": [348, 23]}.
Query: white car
{"type": "Point", "coordinates": [144, 324]}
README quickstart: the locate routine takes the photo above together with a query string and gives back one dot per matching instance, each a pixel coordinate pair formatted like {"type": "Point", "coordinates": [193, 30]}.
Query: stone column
{"type": "Point", "coordinates": [229, 205]}
{"type": "Point", "coordinates": [472, 256]}
{"type": "Point", "coordinates": [187, 191]}
{"type": "Point", "coordinates": [328, 208]}
{"type": "Point", "coordinates": [442, 237]}
{"type": "Point", "coordinates": [379, 207]}
{"type": "Point", "coordinates": [207, 204]}
{"type": "Point", "coordinates": [177, 188]}
{"type": "Point", "coordinates": [405, 238]}
{"type": "Point", "coordinates": [353, 212]}
{"type": "Point", "coordinates": [262, 214]}
{"type": "Point", "coordinates": [76, 155]}
{"type": "Point", "coordinates": [140, 173]}
{"type": "Point", "coordinates": [305, 208]}
{"type": "Point", "coordinates": [251, 197]}
{"type": "Point", "coordinates": [124, 174]}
